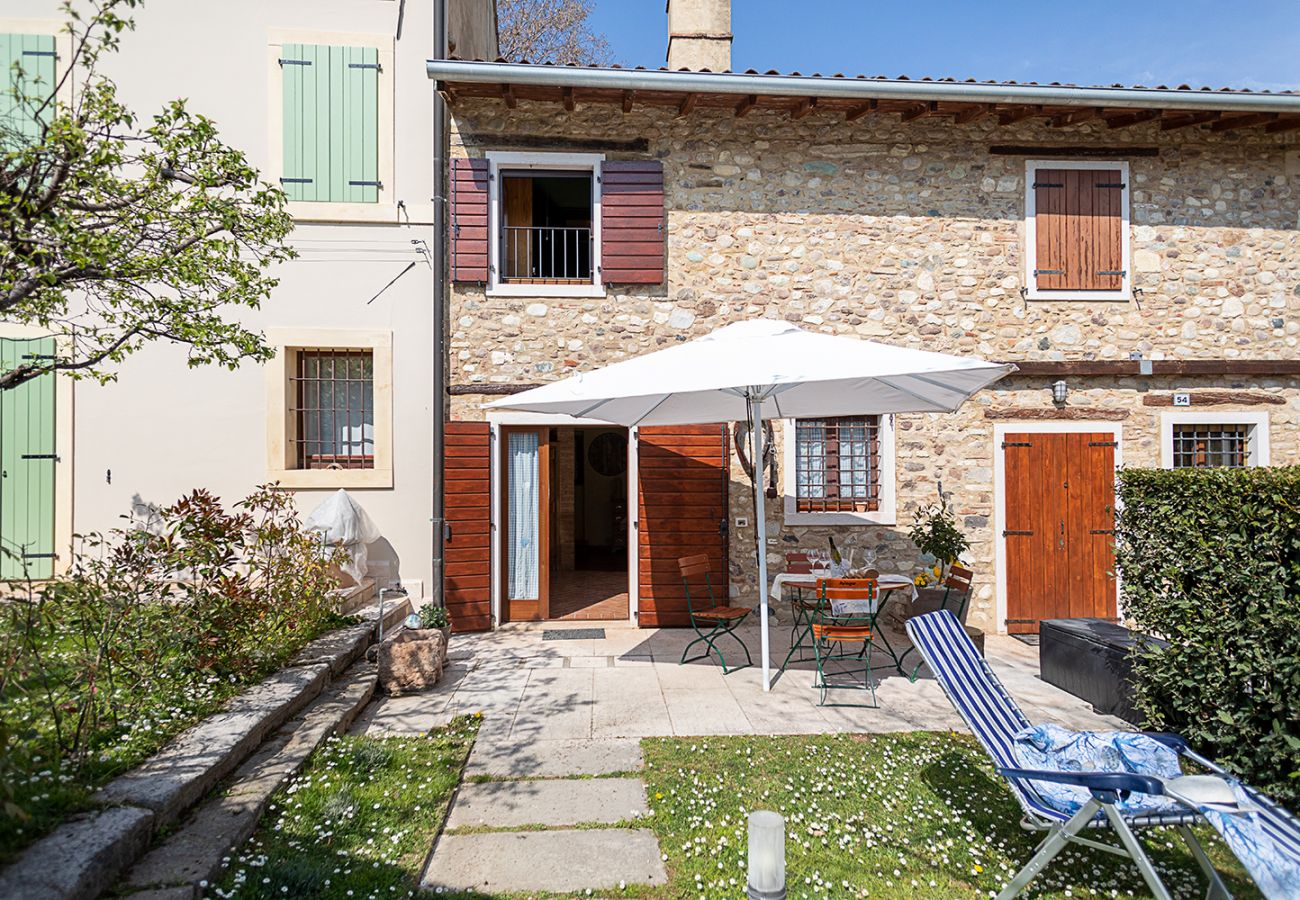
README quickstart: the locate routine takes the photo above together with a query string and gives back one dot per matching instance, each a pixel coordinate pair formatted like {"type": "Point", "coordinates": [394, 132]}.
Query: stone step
{"type": "Point", "coordinates": [560, 861]}
{"type": "Point", "coordinates": [511, 804]}
{"type": "Point", "coordinates": [552, 759]}
{"type": "Point", "coordinates": [194, 852]}
{"type": "Point", "coordinates": [350, 599]}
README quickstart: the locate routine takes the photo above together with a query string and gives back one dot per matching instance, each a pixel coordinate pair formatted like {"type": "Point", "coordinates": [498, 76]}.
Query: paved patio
{"type": "Point", "coordinates": [629, 684]}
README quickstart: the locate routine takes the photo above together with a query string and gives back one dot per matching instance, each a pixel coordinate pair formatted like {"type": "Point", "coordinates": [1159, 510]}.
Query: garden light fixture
{"type": "Point", "coordinates": [766, 856]}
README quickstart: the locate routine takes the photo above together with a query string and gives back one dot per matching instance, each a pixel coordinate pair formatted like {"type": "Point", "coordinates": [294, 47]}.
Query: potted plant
{"type": "Point", "coordinates": [935, 534]}
{"type": "Point", "coordinates": [432, 616]}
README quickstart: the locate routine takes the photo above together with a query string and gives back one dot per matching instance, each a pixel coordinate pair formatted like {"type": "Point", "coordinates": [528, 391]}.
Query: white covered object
{"type": "Point", "coordinates": [345, 524]}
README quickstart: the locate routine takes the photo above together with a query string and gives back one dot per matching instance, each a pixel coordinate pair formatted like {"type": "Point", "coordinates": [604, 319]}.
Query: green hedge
{"type": "Point", "coordinates": [1210, 560]}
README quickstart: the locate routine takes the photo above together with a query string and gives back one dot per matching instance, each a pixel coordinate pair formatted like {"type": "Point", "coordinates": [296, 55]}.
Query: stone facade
{"type": "Point", "coordinates": [913, 234]}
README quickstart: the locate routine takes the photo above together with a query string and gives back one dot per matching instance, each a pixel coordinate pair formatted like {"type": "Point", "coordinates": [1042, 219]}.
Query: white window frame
{"type": "Point", "coordinates": [498, 160]}
{"type": "Point", "coordinates": [1125, 291]}
{"type": "Point", "coordinates": [281, 453]}
{"type": "Point", "coordinates": [385, 210]}
{"type": "Point", "coordinates": [1257, 443]}
{"type": "Point", "coordinates": [886, 514]}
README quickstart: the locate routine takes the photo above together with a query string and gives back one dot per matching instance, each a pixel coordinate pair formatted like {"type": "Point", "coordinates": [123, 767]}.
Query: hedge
{"type": "Point", "coordinates": [1209, 559]}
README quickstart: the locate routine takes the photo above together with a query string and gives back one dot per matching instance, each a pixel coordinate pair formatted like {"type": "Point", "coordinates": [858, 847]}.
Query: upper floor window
{"type": "Point", "coordinates": [331, 123]}
{"type": "Point", "coordinates": [546, 227]}
{"type": "Point", "coordinates": [1076, 229]}
{"type": "Point", "coordinates": [29, 62]}
{"type": "Point", "coordinates": [1214, 440]}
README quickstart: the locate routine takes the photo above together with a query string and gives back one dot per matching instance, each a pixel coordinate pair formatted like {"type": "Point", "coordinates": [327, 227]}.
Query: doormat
{"type": "Point", "coordinates": [1030, 639]}
{"type": "Point", "coordinates": [573, 634]}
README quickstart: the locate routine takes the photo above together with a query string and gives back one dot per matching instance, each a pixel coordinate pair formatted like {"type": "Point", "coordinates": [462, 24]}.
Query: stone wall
{"type": "Point", "coordinates": [913, 234]}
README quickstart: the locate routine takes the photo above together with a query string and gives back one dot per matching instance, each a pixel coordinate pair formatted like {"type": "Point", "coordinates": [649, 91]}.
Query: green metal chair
{"type": "Point", "coordinates": [829, 630]}
{"type": "Point", "coordinates": [718, 620]}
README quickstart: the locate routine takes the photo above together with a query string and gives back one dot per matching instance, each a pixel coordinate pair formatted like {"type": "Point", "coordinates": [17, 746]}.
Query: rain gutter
{"type": "Point", "coordinates": [859, 88]}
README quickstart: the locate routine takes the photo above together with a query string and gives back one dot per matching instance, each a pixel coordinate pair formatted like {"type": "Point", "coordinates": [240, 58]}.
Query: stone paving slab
{"type": "Point", "coordinates": [559, 861]}
{"type": "Point", "coordinates": [511, 804]}
{"type": "Point", "coordinates": [551, 759]}
{"type": "Point", "coordinates": [79, 859]}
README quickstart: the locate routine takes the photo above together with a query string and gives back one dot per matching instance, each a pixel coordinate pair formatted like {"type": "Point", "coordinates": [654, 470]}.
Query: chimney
{"type": "Point", "coordinates": [699, 35]}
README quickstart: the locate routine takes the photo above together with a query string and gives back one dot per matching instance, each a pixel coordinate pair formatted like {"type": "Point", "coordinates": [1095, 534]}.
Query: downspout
{"type": "Point", "coordinates": [441, 297]}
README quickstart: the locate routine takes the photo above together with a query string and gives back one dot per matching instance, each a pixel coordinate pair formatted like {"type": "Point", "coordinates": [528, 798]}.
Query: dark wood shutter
{"type": "Point", "coordinates": [1079, 220]}
{"type": "Point", "coordinates": [467, 573]}
{"type": "Point", "coordinates": [469, 220]}
{"type": "Point", "coordinates": [681, 511]}
{"type": "Point", "coordinates": [632, 222]}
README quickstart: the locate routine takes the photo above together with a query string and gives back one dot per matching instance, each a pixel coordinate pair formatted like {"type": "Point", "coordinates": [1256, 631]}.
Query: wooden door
{"type": "Point", "coordinates": [681, 511]}
{"type": "Point", "coordinates": [1059, 494]}
{"type": "Point", "coordinates": [526, 520]}
{"type": "Point", "coordinates": [467, 552]}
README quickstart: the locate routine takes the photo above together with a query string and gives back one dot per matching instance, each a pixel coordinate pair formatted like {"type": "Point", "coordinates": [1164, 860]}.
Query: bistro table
{"type": "Point", "coordinates": [804, 581]}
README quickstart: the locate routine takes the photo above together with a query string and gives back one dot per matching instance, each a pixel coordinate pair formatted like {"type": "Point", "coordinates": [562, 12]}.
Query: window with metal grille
{"type": "Point", "coordinates": [334, 412]}
{"type": "Point", "coordinates": [837, 464]}
{"type": "Point", "coordinates": [546, 234]}
{"type": "Point", "coordinates": [1211, 446]}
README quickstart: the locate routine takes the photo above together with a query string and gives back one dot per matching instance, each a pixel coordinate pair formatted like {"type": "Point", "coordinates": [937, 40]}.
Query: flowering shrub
{"type": "Point", "coordinates": [154, 626]}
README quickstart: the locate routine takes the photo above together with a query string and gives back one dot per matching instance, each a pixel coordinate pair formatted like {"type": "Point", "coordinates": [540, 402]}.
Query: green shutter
{"type": "Point", "coordinates": [29, 77]}
{"type": "Point", "coordinates": [26, 466]}
{"type": "Point", "coordinates": [331, 123]}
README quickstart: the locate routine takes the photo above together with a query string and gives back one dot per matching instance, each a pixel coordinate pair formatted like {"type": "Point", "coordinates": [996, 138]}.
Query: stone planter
{"type": "Point", "coordinates": [412, 660]}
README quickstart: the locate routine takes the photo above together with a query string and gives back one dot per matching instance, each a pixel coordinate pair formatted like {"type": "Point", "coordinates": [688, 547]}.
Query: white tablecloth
{"type": "Point", "coordinates": [838, 607]}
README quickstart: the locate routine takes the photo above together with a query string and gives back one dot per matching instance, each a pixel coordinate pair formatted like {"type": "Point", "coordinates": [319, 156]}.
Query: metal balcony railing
{"type": "Point", "coordinates": [544, 254]}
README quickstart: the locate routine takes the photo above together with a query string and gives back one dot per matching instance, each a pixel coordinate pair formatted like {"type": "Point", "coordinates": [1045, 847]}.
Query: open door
{"type": "Point", "coordinates": [526, 514]}
{"type": "Point", "coordinates": [682, 511]}
{"type": "Point", "coordinates": [467, 555]}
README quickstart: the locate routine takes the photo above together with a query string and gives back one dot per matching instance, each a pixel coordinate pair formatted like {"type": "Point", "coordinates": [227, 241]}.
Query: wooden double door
{"type": "Point", "coordinates": [1059, 527]}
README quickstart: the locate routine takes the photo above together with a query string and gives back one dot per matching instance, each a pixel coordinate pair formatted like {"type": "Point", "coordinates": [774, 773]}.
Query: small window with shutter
{"type": "Point", "coordinates": [28, 80]}
{"type": "Point", "coordinates": [331, 123]}
{"type": "Point", "coordinates": [1076, 230]}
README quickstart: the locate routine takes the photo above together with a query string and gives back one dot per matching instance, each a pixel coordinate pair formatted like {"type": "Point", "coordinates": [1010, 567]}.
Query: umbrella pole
{"type": "Point", "coordinates": [760, 529]}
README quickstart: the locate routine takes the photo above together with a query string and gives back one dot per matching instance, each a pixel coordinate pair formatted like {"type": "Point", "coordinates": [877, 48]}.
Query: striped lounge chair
{"type": "Point", "coordinates": [994, 719]}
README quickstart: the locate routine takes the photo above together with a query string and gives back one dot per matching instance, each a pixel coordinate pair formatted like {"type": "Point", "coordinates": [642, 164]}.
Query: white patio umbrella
{"type": "Point", "coordinates": [756, 370]}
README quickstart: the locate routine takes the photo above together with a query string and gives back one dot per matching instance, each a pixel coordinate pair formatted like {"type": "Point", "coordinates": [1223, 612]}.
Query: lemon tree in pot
{"type": "Point", "coordinates": [935, 533]}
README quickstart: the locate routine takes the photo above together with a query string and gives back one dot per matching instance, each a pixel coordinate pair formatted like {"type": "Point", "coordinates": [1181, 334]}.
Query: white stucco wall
{"type": "Point", "coordinates": [163, 429]}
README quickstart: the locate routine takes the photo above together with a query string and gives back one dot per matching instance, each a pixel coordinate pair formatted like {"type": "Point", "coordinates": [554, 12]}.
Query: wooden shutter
{"type": "Point", "coordinates": [681, 511]}
{"type": "Point", "coordinates": [27, 460]}
{"type": "Point", "coordinates": [331, 123]}
{"type": "Point", "coordinates": [1079, 225]}
{"type": "Point", "coordinates": [35, 55]}
{"type": "Point", "coordinates": [469, 220]}
{"type": "Point", "coordinates": [467, 551]}
{"type": "Point", "coordinates": [632, 223]}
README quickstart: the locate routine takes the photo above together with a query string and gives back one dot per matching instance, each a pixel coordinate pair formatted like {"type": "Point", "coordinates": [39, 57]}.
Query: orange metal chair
{"type": "Point", "coordinates": [719, 620]}
{"type": "Point", "coordinates": [848, 628]}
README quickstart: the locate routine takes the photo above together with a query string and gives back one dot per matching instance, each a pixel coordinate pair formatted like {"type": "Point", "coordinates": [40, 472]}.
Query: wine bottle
{"type": "Point", "coordinates": [835, 551]}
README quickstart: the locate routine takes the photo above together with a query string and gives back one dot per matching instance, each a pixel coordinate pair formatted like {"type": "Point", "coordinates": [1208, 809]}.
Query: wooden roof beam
{"type": "Point", "coordinates": [861, 110]}
{"type": "Point", "coordinates": [1074, 117]}
{"type": "Point", "coordinates": [747, 103]}
{"type": "Point", "coordinates": [806, 105]}
{"type": "Point", "coordinates": [1282, 125]}
{"type": "Point", "coordinates": [628, 97]}
{"type": "Point", "coordinates": [567, 96]}
{"type": "Point", "coordinates": [1248, 121]}
{"type": "Point", "coordinates": [918, 111]}
{"type": "Point", "coordinates": [508, 95]}
{"type": "Point", "coordinates": [687, 105]}
{"type": "Point", "coordinates": [1128, 119]}
{"type": "Point", "coordinates": [973, 113]}
{"type": "Point", "coordinates": [1171, 121]}
{"type": "Point", "coordinates": [1010, 115]}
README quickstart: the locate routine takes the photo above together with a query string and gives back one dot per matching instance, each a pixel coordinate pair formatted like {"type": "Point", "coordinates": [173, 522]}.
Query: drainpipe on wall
{"type": "Point", "coordinates": [438, 402]}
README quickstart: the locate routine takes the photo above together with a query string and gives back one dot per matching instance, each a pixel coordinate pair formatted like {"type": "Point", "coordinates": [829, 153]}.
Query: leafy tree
{"type": "Point", "coordinates": [114, 231]}
{"type": "Point", "coordinates": [554, 31]}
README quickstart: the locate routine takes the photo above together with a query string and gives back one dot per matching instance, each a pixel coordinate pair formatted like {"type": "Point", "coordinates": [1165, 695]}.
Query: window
{"type": "Point", "coordinates": [1076, 229]}
{"type": "Point", "coordinates": [837, 464]}
{"type": "Point", "coordinates": [335, 412]}
{"type": "Point", "coordinates": [1214, 440]}
{"type": "Point", "coordinates": [546, 233]}
{"type": "Point", "coordinates": [329, 408]}
{"type": "Point", "coordinates": [29, 78]}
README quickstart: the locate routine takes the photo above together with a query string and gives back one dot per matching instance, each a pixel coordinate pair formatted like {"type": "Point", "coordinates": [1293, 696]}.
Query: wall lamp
{"type": "Point", "coordinates": [1059, 391]}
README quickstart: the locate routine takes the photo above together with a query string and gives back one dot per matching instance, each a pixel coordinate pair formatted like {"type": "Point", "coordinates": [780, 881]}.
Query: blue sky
{"type": "Point", "coordinates": [1250, 43]}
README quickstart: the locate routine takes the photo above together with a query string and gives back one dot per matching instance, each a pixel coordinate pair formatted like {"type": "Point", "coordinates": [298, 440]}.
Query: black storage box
{"type": "Point", "coordinates": [1089, 658]}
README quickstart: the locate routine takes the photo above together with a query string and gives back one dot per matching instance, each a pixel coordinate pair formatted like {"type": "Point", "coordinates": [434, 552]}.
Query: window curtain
{"type": "Point", "coordinates": [522, 512]}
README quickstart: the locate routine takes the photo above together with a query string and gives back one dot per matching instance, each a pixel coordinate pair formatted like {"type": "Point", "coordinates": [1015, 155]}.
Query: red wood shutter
{"type": "Point", "coordinates": [467, 572]}
{"type": "Point", "coordinates": [632, 222]}
{"type": "Point", "coordinates": [469, 220]}
{"type": "Point", "coordinates": [682, 510]}
{"type": "Point", "coordinates": [1078, 220]}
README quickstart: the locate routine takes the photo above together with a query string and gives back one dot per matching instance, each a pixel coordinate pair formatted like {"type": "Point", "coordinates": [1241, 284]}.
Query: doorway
{"type": "Point", "coordinates": [1058, 521]}
{"type": "Point", "coordinates": [565, 509]}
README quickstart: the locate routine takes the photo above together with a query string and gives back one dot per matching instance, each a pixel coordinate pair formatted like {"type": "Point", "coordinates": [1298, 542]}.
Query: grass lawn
{"type": "Point", "coordinates": [357, 822]}
{"type": "Point", "coordinates": [899, 815]}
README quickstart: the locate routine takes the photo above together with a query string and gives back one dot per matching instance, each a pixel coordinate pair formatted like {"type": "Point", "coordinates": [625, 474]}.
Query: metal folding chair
{"type": "Point", "coordinates": [829, 630]}
{"type": "Point", "coordinates": [718, 620]}
{"type": "Point", "coordinates": [994, 718]}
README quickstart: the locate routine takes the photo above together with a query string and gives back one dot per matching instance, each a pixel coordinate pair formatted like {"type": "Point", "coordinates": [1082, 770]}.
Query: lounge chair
{"type": "Point", "coordinates": [994, 719]}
